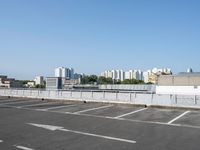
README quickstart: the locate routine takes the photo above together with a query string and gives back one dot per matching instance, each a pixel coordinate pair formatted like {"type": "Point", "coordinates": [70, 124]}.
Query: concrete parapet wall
{"type": "Point", "coordinates": [168, 100]}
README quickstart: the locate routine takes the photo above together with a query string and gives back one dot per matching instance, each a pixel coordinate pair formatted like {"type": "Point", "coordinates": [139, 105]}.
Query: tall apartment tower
{"type": "Point", "coordinates": [63, 72]}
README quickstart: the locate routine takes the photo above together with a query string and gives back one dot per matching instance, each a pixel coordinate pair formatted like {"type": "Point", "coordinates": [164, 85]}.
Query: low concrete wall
{"type": "Point", "coordinates": [167, 100]}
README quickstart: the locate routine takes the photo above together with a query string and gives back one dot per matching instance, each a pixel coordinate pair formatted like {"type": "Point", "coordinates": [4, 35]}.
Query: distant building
{"type": "Point", "coordinates": [181, 79]}
{"type": "Point", "coordinates": [114, 74]}
{"type": "Point", "coordinates": [183, 83]}
{"type": "Point", "coordinates": [134, 74]}
{"type": "Point", "coordinates": [53, 83]}
{"type": "Point", "coordinates": [8, 82]}
{"type": "Point", "coordinates": [147, 76]}
{"type": "Point", "coordinates": [64, 72]}
{"type": "Point", "coordinates": [30, 84]}
{"type": "Point", "coordinates": [39, 80]}
{"type": "Point", "coordinates": [151, 76]}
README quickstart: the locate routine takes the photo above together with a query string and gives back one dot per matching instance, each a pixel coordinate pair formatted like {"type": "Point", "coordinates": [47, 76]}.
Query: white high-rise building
{"type": "Point", "coordinates": [64, 72]}
{"type": "Point", "coordinates": [58, 72]}
{"type": "Point", "coordinates": [39, 80]}
{"type": "Point", "coordinates": [114, 74]}
{"type": "Point", "coordinates": [128, 75]}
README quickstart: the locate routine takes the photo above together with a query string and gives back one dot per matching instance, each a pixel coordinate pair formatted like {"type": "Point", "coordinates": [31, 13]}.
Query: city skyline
{"type": "Point", "coordinates": [93, 36]}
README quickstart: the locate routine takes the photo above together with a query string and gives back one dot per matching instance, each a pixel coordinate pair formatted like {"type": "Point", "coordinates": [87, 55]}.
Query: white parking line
{"type": "Point", "coordinates": [173, 120]}
{"type": "Point", "coordinates": [133, 112]}
{"type": "Point", "coordinates": [78, 112]}
{"type": "Point", "coordinates": [23, 147]}
{"type": "Point", "coordinates": [57, 107]}
{"type": "Point", "coordinates": [1, 141]}
{"type": "Point", "coordinates": [38, 104]}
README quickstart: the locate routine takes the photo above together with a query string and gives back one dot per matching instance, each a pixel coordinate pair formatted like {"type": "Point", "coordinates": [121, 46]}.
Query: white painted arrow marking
{"type": "Point", "coordinates": [48, 127]}
{"type": "Point", "coordinates": [54, 128]}
{"type": "Point", "coordinates": [22, 147]}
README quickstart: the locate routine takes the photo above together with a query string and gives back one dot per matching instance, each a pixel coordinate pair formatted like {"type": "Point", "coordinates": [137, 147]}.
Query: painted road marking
{"type": "Point", "coordinates": [57, 107]}
{"type": "Point", "coordinates": [173, 120]}
{"type": "Point", "coordinates": [96, 108]}
{"type": "Point", "coordinates": [23, 147]}
{"type": "Point", "coordinates": [1, 141]}
{"type": "Point", "coordinates": [133, 112]}
{"type": "Point", "coordinates": [54, 128]}
{"type": "Point", "coordinates": [38, 104]}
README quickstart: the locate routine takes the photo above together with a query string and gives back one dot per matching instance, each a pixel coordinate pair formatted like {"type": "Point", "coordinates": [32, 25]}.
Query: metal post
{"type": "Point", "coordinates": [71, 94]}
{"type": "Point", "coordinates": [92, 94]}
{"type": "Point", "coordinates": [195, 100]}
{"type": "Point", "coordinates": [175, 96]}
{"type": "Point", "coordinates": [103, 94]}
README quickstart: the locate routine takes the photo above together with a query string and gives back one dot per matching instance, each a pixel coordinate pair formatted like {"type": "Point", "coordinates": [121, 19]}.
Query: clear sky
{"type": "Point", "coordinates": [94, 35]}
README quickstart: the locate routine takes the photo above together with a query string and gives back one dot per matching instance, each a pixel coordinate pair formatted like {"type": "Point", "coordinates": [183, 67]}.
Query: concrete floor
{"type": "Point", "coordinates": [32, 124]}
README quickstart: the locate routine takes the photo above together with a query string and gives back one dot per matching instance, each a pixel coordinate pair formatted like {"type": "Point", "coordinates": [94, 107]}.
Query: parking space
{"type": "Point", "coordinates": [43, 105]}
{"type": "Point", "coordinates": [191, 119]}
{"type": "Point", "coordinates": [23, 102]}
{"type": "Point", "coordinates": [112, 111]}
{"type": "Point", "coordinates": [79, 107]}
{"type": "Point", "coordinates": [155, 114]}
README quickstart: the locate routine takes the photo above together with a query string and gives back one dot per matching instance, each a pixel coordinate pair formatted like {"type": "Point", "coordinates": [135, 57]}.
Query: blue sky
{"type": "Point", "coordinates": [94, 35]}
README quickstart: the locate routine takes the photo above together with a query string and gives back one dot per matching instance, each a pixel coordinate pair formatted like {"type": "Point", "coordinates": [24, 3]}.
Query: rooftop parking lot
{"type": "Point", "coordinates": [33, 124]}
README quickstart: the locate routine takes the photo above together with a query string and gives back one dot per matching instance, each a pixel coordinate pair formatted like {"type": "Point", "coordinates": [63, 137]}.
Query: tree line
{"type": "Point", "coordinates": [93, 79]}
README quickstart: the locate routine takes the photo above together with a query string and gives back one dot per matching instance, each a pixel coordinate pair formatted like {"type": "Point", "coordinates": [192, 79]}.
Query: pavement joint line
{"type": "Point", "coordinates": [130, 113]}
{"type": "Point", "coordinates": [96, 108]}
{"type": "Point", "coordinates": [54, 128]}
{"type": "Point", "coordinates": [178, 117]}
{"type": "Point", "coordinates": [23, 147]}
{"type": "Point", "coordinates": [8, 100]}
{"type": "Point", "coordinates": [17, 102]}
{"type": "Point", "coordinates": [57, 107]}
{"type": "Point", "coordinates": [38, 104]}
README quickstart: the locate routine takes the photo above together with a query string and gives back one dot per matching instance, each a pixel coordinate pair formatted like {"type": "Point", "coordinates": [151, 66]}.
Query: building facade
{"type": "Point", "coordinates": [39, 80]}
{"type": "Point", "coordinates": [63, 72]}
{"type": "Point", "coordinates": [54, 83]}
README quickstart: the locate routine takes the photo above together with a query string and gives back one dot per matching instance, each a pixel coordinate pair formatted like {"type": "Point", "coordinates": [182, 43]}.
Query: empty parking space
{"type": "Point", "coordinates": [23, 103]}
{"type": "Point", "coordinates": [112, 111]}
{"type": "Point", "coordinates": [155, 114]}
{"type": "Point", "coordinates": [78, 107]}
{"type": "Point", "coordinates": [44, 105]}
{"type": "Point", "coordinates": [191, 119]}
